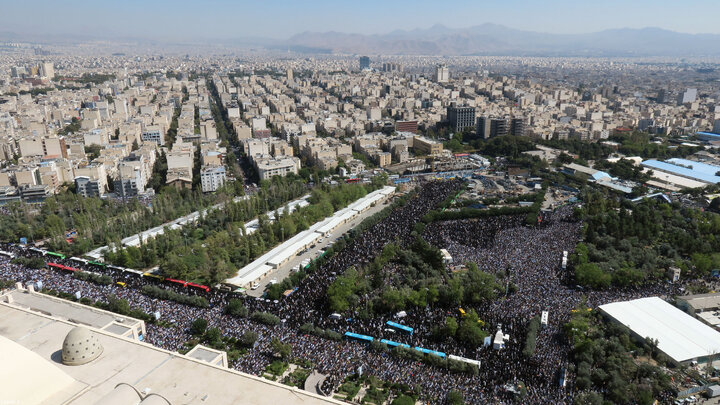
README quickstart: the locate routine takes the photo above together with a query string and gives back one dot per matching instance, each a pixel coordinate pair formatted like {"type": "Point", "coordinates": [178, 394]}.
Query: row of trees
{"type": "Point", "coordinates": [639, 143]}
{"type": "Point", "coordinates": [97, 221]}
{"type": "Point", "coordinates": [214, 247]}
{"type": "Point", "coordinates": [531, 212]}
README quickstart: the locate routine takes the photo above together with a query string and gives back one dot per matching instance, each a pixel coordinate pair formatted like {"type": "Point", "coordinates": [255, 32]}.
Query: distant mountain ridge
{"type": "Point", "coordinates": [493, 39]}
{"type": "Point", "coordinates": [437, 40]}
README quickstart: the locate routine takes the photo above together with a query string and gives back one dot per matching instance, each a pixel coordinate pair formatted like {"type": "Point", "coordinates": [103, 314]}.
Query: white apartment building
{"type": "Point", "coordinates": [153, 133]}
{"type": "Point", "coordinates": [212, 178]}
{"type": "Point", "coordinates": [269, 167]}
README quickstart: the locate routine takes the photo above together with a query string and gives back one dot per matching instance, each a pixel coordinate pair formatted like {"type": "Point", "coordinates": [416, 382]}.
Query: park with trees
{"type": "Point", "coordinates": [627, 244]}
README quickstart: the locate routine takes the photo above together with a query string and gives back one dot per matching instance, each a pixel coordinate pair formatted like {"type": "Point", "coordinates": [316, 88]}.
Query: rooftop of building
{"type": "Point", "coordinates": [702, 301]}
{"type": "Point", "coordinates": [679, 335]}
{"type": "Point", "coordinates": [686, 168]}
{"type": "Point", "coordinates": [709, 134]}
{"type": "Point", "coordinates": [71, 311]}
{"type": "Point", "coordinates": [37, 340]}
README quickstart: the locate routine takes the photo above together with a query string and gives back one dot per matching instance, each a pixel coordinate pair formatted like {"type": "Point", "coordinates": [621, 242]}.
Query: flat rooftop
{"type": "Point", "coordinates": [702, 301]}
{"type": "Point", "coordinates": [68, 310]}
{"type": "Point", "coordinates": [679, 335]}
{"type": "Point", "coordinates": [701, 172]}
{"type": "Point", "coordinates": [176, 377]}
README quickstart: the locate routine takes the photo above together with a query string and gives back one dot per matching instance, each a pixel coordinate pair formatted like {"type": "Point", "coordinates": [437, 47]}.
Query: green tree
{"type": "Point", "coordinates": [212, 336]}
{"type": "Point", "coordinates": [341, 289]}
{"type": "Point", "coordinates": [280, 349]}
{"type": "Point", "coordinates": [469, 332]}
{"type": "Point", "coordinates": [248, 338]}
{"type": "Point", "coordinates": [403, 400]}
{"type": "Point", "coordinates": [198, 326]}
{"type": "Point", "coordinates": [589, 274]}
{"type": "Point", "coordinates": [235, 307]}
{"type": "Point", "coordinates": [117, 305]}
{"type": "Point", "coordinates": [455, 398]}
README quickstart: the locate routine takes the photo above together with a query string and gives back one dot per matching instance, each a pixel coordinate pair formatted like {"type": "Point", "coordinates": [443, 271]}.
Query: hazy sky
{"type": "Point", "coordinates": [182, 19]}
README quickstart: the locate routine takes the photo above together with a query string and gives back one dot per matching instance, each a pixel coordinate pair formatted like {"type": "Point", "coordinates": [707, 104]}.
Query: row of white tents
{"type": "Point", "coordinates": [263, 265]}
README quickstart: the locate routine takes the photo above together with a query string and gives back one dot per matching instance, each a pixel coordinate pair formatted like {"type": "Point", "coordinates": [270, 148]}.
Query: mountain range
{"type": "Point", "coordinates": [440, 40]}
{"type": "Point", "coordinates": [493, 39]}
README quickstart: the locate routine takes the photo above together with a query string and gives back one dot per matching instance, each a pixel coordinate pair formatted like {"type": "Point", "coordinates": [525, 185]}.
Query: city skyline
{"type": "Point", "coordinates": [400, 202]}
{"type": "Point", "coordinates": [221, 19]}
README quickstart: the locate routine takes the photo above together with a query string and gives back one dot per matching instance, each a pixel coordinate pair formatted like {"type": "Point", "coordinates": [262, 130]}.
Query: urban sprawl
{"type": "Point", "coordinates": [370, 229]}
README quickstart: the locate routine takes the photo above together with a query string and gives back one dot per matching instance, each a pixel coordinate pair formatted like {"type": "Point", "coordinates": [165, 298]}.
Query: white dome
{"type": "Point", "coordinates": [80, 347]}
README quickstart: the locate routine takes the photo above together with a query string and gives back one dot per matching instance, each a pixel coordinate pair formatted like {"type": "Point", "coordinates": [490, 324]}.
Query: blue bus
{"type": "Point", "coordinates": [428, 351]}
{"type": "Point", "coordinates": [390, 343]}
{"type": "Point", "coordinates": [401, 328]}
{"type": "Point", "coordinates": [358, 337]}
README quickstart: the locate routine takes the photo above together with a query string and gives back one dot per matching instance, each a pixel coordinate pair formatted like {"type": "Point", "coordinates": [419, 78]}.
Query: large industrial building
{"type": "Point", "coordinates": [681, 337]}
{"type": "Point", "coordinates": [682, 173]}
{"type": "Point", "coordinates": [709, 136]}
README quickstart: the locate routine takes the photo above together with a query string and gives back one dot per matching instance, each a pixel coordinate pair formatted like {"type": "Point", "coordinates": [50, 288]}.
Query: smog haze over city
{"type": "Point", "coordinates": [324, 202]}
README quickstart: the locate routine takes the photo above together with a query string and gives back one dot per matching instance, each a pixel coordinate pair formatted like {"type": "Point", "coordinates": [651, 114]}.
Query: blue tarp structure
{"type": "Point", "coordinates": [357, 336]}
{"type": "Point", "coordinates": [399, 327]}
{"type": "Point", "coordinates": [428, 351]}
{"type": "Point", "coordinates": [393, 344]}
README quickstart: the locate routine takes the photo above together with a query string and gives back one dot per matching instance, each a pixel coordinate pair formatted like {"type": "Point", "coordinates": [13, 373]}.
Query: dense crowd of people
{"type": "Point", "coordinates": [528, 256]}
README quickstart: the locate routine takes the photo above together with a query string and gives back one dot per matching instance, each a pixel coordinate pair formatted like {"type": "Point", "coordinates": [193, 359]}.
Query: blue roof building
{"type": "Point", "coordinates": [708, 136]}
{"type": "Point", "coordinates": [701, 172]}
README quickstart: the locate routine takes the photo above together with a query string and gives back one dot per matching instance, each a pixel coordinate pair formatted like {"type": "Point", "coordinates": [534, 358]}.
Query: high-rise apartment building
{"type": "Point", "coordinates": [392, 67]}
{"type": "Point", "coordinates": [132, 176]}
{"type": "Point", "coordinates": [153, 133]}
{"type": "Point", "coordinates": [688, 96]}
{"type": "Point", "coordinates": [47, 70]}
{"type": "Point", "coordinates": [645, 123]}
{"type": "Point", "coordinates": [87, 187]}
{"type": "Point", "coordinates": [518, 126]}
{"type": "Point", "coordinates": [461, 117]}
{"type": "Point", "coordinates": [364, 62]}
{"type": "Point", "coordinates": [492, 127]}
{"type": "Point", "coordinates": [442, 74]}
{"type": "Point", "coordinates": [212, 178]}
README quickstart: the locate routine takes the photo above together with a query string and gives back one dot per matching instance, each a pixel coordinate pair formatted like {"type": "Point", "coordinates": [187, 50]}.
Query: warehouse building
{"type": "Point", "coordinates": [683, 173]}
{"type": "Point", "coordinates": [681, 337]}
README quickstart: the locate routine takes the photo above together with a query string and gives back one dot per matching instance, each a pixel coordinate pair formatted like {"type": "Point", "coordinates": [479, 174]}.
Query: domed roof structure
{"type": "Point", "coordinates": [80, 347]}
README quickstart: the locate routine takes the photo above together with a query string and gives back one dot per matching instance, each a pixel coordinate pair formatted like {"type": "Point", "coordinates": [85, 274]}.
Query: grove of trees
{"type": "Point", "coordinates": [626, 244]}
